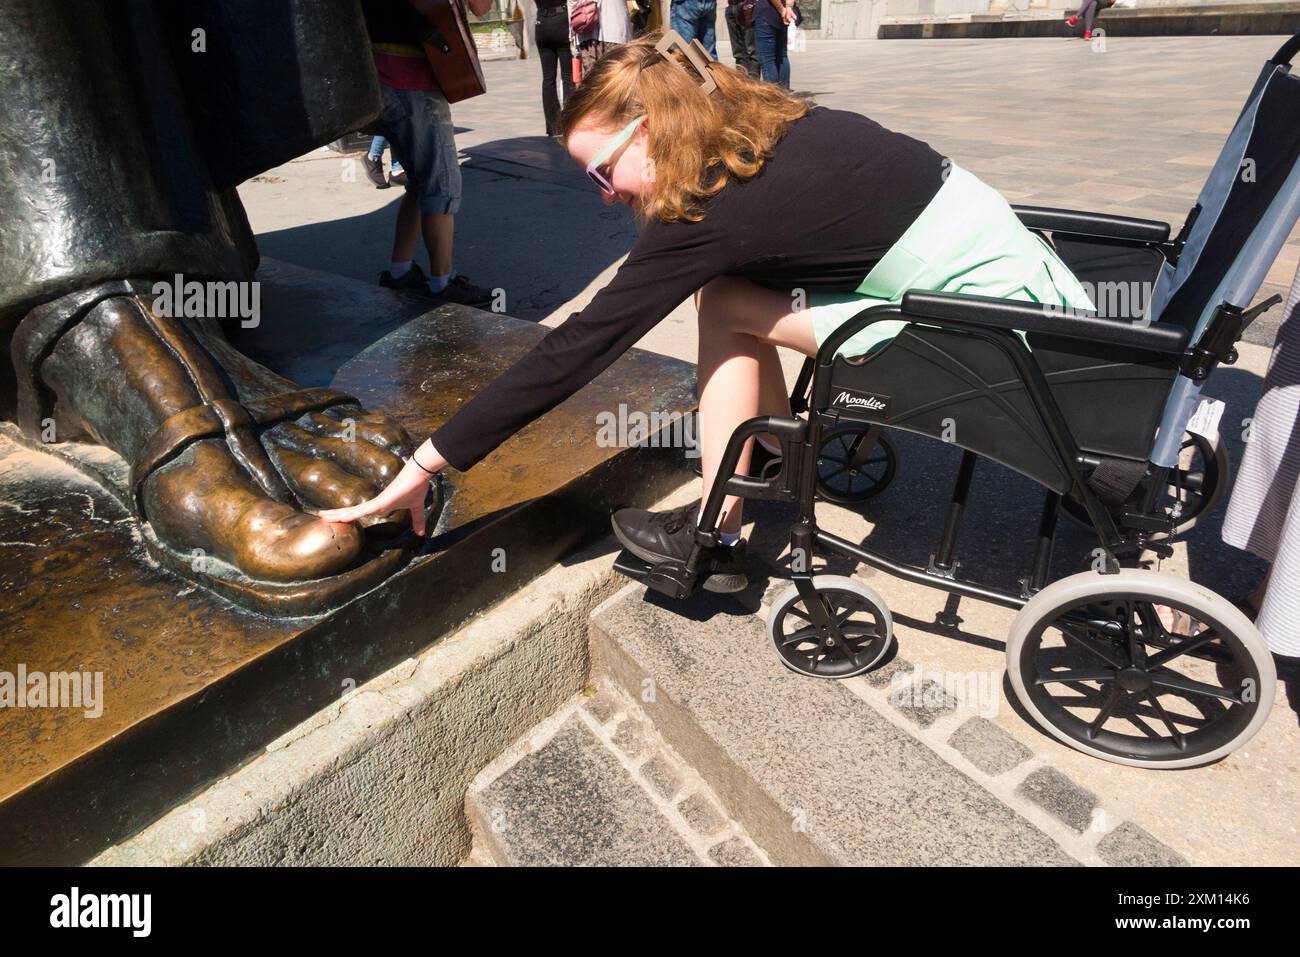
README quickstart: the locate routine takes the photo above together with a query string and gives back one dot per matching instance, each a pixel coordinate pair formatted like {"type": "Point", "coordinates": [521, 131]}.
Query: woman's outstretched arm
{"type": "Point", "coordinates": [668, 263]}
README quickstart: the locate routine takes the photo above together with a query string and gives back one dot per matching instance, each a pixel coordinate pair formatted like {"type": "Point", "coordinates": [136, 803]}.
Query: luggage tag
{"type": "Point", "coordinates": [1205, 420]}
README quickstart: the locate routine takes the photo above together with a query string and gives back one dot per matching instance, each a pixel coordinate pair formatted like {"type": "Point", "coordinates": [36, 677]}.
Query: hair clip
{"type": "Point", "coordinates": [694, 52]}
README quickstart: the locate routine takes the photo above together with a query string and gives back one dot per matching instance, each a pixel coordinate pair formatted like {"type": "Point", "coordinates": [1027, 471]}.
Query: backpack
{"type": "Point", "coordinates": [584, 19]}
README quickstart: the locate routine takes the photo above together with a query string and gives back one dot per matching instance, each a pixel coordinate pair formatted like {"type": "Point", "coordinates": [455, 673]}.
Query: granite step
{"type": "Point", "coordinates": [595, 785]}
{"type": "Point", "coordinates": [884, 769]}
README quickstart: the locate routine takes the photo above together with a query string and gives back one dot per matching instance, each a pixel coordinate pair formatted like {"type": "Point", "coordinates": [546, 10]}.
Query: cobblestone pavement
{"type": "Point", "coordinates": [595, 784]}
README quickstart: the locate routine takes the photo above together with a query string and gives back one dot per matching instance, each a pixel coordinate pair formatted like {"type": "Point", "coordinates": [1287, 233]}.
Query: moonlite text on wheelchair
{"type": "Point", "coordinates": [1132, 665]}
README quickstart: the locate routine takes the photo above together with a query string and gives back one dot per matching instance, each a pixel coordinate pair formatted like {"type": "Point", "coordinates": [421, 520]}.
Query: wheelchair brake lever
{"type": "Point", "coordinates": [1219, 341]}
{"type": "Point", "coordinates": [1250, 315]}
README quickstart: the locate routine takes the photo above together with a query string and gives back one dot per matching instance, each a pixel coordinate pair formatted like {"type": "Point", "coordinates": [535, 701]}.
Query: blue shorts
{"type": "Point", "coordinates": [419, 131]}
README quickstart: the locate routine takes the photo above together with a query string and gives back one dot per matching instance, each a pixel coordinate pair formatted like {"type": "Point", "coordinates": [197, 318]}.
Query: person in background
{"type": "Point", "coordinates": [552, 37]}
{"type": "Point", "coordinates": [696, 20]}
{"type": "Point", "coordinates": [374, 164]}
{"type": "Point", "coordinates": [742, 34]}
{"type": "Point", "coordinates": [614, 28]}
{"type": "Point", "coordinates": [1263, 514]}
{"type": "Point", "coordinates": [1088, 12]}
{"type": "Point", "coordinates": [639, 11]}
{"type": "Point", "coordinates": [772, 19]}
{"type": "Point", "coordinates": [416, 121]}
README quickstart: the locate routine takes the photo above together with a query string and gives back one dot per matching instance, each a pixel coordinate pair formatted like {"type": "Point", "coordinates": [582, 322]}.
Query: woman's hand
{"type": "Point", "coordinates": [407, 491]}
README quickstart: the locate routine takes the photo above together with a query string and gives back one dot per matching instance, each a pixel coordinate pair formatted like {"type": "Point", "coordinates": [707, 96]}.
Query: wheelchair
{"type": "Point", "coordinates": [1128, 664]}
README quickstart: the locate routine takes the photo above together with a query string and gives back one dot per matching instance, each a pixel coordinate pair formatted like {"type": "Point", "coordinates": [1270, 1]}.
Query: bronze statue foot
{"type": "Point", "coordinates": [228, 461]}
{"type": "Point", "coordinates": [204, 501]}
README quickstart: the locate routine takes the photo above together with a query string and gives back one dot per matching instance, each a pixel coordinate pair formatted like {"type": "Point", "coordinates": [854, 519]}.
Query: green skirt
{"type": "Point", "coordinates": [966, 240]}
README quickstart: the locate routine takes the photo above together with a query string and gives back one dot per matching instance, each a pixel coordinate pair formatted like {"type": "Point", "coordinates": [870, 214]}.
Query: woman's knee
{"type": "Point", "coordinates": [718, 302]}
{"type": "Point", "coordinates": [734, 305]}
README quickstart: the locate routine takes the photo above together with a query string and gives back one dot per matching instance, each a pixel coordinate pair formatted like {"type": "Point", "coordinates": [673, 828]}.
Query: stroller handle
{"type": "Point", "coordinates": [1289, 49]}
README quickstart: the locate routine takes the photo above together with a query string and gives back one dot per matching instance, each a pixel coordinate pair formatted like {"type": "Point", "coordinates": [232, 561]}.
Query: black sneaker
{"type": "Point", "coordinates": [398, 178]}
{"type": "Point", "coordinates": [375, 171]}
{"type": "Point", "coordinates": [461, 290]}
{"type": "Point", "coordinates": [413, 280]}
{"type": "Point", "coordinates": [657, 537]}
{"type": "Point", "coordinates": [762, 463]}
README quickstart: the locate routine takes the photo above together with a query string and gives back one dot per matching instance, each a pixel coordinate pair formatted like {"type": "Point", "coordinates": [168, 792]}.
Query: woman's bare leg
{"type": "Point", "coordinates": [740, 375]}
{"type": "Point", "coordinates": [773, 393]}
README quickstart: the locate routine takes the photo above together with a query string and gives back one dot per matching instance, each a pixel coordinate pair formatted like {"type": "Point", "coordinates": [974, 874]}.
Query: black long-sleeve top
{"type": "Point", "coordinates": [837, 192]}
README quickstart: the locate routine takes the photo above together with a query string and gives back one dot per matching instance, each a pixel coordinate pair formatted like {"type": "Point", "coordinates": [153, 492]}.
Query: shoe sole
{"type": "Point", "coordinates": [412, 291]}
{"type": "Point", "coordinates": [722, 583]}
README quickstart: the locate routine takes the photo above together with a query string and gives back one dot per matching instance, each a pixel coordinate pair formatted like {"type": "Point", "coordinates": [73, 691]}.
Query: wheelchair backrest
{"type": "Point", "coordinates": [1246, 209]}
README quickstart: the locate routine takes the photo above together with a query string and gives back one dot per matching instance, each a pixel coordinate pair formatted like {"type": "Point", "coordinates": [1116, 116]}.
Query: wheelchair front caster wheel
{"type": "Point", "coordinates": [1195, 486]}
{"type": "Point", "coordinates": [846, 634]}
{"type": "Point", "coordinates": [1140, 668]}
{"type": "Point", "coordinates": [855, 464]}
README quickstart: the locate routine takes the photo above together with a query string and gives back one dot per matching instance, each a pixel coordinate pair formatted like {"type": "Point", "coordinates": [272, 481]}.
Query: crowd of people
{"type": "Point", "coordinates": [584, 30]}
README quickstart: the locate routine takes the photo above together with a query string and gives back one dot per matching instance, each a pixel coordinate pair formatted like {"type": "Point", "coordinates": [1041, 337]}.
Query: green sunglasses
{"type": "Point", "coordinates": [698, 57]}
{"type": "Point", "coordinates": [595, 167]}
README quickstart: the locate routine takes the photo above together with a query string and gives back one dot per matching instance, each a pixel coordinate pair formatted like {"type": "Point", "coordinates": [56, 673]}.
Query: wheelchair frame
{"type": "Point", "coordinates": [1123, 529]}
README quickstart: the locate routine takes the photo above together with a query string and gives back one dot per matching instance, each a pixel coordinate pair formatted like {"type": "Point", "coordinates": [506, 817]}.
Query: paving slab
{"type": "Point", "coordinates": [1220, 815]}
{"type": "Point", "coordinates": [816, 775]}
{"type": "Point", "coordinates": [571, 803]}
{"type": "Point", "coordinates": [572, 792]}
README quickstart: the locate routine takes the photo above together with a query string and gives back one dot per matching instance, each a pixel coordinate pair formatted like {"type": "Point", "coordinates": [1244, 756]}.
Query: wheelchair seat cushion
{"type": "Point", "coordinates": [966, 240]}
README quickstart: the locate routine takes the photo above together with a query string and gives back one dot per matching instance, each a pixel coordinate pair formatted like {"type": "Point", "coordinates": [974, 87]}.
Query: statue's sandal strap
{"type": "Point", "coordinates": [216, 419]}
{"type": "Point", "coordinates": [34, 339]}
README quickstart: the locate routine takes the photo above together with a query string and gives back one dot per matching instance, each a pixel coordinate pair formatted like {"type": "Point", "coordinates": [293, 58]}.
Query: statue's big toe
{"type": "Point", "coordinates": [282, 544]}
{"type": "Point", "coordinates": [204, 502]}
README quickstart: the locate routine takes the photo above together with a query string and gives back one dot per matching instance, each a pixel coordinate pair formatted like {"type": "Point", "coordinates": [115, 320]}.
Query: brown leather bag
{"type": "Point", "coordinates": [450, 49]}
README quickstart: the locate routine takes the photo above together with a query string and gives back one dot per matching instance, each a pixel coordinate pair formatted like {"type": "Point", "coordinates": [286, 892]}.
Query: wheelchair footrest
{"type": "Point", "coordinates": [669, 578]}
{"type": "Point", "coordinates": [724, 573]}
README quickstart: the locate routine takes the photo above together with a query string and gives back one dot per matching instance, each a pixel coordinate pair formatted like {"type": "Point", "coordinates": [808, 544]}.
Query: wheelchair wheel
{"type": "Point", "coordinates": [1195, 487]}
{"type": "Point", "coordinates": [852, 469]}
{"type": "Point", "coordinates": [857, 637]}
{"type": "Point", "coordinates": [1141, 668]}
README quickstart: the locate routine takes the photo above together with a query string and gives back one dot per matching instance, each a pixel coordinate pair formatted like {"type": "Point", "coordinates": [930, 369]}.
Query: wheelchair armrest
{"type": "Point", "coordinates": [1101, 225]}
{"type": "Point", "coordinates": [950, 309]}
